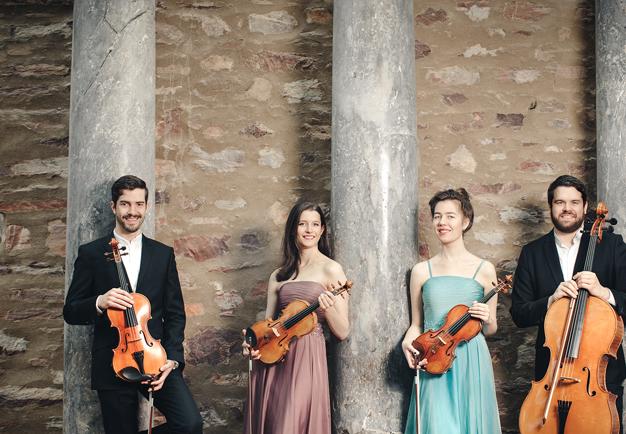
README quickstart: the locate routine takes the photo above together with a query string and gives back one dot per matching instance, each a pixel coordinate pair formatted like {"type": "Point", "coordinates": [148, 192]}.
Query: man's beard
{"type": "Point", "coordinates": [569, 228]}
{"type": "Point", "coordinates": [128, 228]}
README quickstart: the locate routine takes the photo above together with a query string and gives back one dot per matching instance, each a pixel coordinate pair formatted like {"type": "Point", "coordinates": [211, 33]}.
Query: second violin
{"type": "Point", "coordinates": [271, 337]}
{"type": "Point", "coordinates": [438, 346]}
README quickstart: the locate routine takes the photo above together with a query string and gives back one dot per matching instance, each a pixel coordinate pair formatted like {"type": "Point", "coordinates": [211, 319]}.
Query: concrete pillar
{"type": "Point", "coordinates": [374, 206]}
{"type": "Point", "coordinates": [611, 106]}
{"type": "Point", "coordinates": [611, 109]}
{"type": "Point", "coordinates": [111, 134]}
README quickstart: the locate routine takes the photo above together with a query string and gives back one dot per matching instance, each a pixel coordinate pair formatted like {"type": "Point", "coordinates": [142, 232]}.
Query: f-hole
{"type": "Point", "coordinates": [589, 392]}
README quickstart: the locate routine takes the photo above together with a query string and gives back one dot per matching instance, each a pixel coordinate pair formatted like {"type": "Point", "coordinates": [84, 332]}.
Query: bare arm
{"type": "Point", "coordinates": [487, 312]}
{"type": "Point", "coordinates": [272, 296]}
{"type": "Point", "coordinates": [336, 307]}
{"type": "Point", "coordinates": [418, 277]}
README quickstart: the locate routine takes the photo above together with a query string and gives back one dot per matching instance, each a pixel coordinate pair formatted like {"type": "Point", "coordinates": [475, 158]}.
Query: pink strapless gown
{"type": "Point", "coordinates": [292, 397]}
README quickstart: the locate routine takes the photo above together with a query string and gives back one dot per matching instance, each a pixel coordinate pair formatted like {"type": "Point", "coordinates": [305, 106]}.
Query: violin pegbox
{"type": "Point", "coordinates": [345, 287]}
{"type": "Point", "coordinates": [504, 284]}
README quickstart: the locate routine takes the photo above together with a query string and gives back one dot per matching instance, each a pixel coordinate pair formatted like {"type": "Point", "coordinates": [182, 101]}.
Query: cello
{"type": "Point", "coordinates": [572, 397]}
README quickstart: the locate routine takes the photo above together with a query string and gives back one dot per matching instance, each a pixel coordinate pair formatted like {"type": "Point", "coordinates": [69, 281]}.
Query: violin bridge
{"type": "Point", "coordinates": [441, 340]}
{"type": "Point", "coordinates": [276, 332]}
{"type": "Point", "coordinates": [569, 380]}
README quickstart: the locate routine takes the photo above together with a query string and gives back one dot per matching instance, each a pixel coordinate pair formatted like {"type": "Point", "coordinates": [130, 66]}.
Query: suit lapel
{"type": "Point", "coordinates": [552, 257]}
{"type": "Point", "coordinates": [146, 261]}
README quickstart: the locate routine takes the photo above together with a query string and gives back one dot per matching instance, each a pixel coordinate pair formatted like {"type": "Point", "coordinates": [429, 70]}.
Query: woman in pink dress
{"type": "Point", "coordinates": [292, 396]}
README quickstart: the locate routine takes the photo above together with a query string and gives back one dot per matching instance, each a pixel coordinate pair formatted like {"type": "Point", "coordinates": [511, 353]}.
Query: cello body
{"type": "Point", "coordinates": [581, 402]}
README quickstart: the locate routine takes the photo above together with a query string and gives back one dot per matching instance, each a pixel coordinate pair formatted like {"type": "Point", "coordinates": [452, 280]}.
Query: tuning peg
{"type": "Point", "coordinates": [108, 253]}
{"type": "Point", "coordinates": [122, 248]}
{"type": "Point", "coordinates": [610, 229]}
{"type": "Point", "coordinates": [612, 221]}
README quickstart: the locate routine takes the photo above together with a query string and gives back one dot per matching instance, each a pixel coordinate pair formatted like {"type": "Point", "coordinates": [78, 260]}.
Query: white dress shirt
{"type": "Point", "coordinates": [567, 258]}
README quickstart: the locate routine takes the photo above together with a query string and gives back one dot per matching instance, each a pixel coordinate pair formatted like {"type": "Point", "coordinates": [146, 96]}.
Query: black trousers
{"type": "Point", "coordinates": [174, 400]}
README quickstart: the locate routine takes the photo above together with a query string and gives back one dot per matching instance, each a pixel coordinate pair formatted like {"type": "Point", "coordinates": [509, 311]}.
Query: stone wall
{"type": "Point", "coordinates": [35, 57]}
{"type": "Point", "coordinates": [243, 130]}
{"type": "Point", "coordinates": [506, 103]}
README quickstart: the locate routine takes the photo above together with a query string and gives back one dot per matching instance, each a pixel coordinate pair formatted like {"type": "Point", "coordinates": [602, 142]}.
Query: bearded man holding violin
{"type": "Point", "coordinates": [549, 269]}
{"type": "Point", "coordinates": [149, 267]}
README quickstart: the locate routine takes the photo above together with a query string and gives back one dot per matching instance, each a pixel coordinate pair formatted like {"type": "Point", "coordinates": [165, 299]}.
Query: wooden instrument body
{"type": "Point", "coordinates": [271, 338]}
{"type": "Point", "coordinates": [136, 339]}
{"type": "Point", "coordinates": [439, 346]}
{"type": "Point", "coordinates": [592, 406]}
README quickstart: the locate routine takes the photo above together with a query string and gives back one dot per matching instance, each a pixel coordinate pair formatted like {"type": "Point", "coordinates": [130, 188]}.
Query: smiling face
{"type": "Point", "coordinates": [130, 211]}
{"type": "Point", "coordinates": [449, 221]}
{"type": "Point", "coordinates": [309, 230]}
{"type": "Point", "coordinates": [567, 210]}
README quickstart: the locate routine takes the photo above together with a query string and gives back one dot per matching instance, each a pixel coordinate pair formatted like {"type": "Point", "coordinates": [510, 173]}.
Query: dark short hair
{"type": "Point", "coordinates": [127, 182]}
{"type": "Point", "coordinates": [459, 194]}
{"type": "Point", "coordinates": [567, 181]}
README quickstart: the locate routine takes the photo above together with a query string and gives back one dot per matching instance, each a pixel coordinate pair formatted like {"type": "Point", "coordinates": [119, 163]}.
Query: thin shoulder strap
{"type": "Point", "coordinates": [430, 271]}
{"type": "Point", "coordinates": [478, 269]}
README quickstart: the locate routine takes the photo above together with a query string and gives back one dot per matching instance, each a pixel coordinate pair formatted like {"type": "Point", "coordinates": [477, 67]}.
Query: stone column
{"type": "Point", "coordinates": [611, 106]}
{"type": "Point", "coordinates": [374, 206]}
{"type": "Point", "coordinates": [111, 134]}
{"type": "Point", "coordinates": [611, 109]}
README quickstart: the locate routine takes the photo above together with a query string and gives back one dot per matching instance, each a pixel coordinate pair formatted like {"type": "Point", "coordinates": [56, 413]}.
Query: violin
{"type": "Point", "coordinates": [581, 334]}
{"type": "Point", "coordinates": [438, 346]}
{"type": "Point", "coordinates": [271, 337]}
{"type": "Point", "coordinates": [138, 356]}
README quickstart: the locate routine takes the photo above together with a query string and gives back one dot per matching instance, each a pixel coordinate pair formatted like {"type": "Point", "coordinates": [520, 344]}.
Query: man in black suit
{"type": "Point", "coordinates": [549, 268]}
{"type": "Point", "coordinates": [151, 270]}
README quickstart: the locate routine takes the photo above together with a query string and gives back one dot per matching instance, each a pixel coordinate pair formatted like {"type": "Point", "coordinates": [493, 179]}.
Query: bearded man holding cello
{"type": "Point", "coordinates": [101, 289]}
{"type": "Point", "coordinates": [551, 268]}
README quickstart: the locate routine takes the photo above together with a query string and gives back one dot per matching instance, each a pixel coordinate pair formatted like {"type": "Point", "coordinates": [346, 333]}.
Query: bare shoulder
{"type": "Point", "coordinates": [419, 273]}
{"type": "Point", "coordinates": [333, 270]}
{"type": "Point", "coordinates": [487, 275]}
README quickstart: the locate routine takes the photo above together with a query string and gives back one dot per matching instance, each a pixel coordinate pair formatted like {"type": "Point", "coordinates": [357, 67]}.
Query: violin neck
{"type": "Point", "coordinates": [456, 326]}
{"type": "Point", "coordinates": [490, 294]}
{"type": "Point", "coordinates": [122, 276]}
{"type": "Point", "coordinates": [307, 310]}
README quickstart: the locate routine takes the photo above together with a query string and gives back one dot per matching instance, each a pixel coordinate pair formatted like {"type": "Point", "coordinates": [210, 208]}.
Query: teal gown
{"type": "Point", "coordinates": [463, 400]}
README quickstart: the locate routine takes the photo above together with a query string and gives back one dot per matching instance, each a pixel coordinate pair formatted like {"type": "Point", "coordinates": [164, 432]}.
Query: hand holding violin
{"type": "Point", "coordinates": [480, 311]}
{"type": "Point", "coordinates": [115, 298]}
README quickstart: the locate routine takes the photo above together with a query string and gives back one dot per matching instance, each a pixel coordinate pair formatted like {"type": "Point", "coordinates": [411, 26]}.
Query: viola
{"type": "Point", "coordinates": [271, 337]}
{"type": "Point", "coordinates": [439, 346]}
{"type": "Point", "coordinates": [138, 356]}
{"type": "Point", "coordinates": [581, 334]}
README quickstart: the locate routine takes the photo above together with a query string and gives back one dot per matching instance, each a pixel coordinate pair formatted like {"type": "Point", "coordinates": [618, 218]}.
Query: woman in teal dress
{"type": "Point", "coordinates": [462, 400]}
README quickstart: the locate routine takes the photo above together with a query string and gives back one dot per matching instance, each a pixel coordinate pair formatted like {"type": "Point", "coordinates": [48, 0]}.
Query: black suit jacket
{"type": "Point", "coordinates": [158, 280]}
{"type": "Point", "coordinates": [539, 273]}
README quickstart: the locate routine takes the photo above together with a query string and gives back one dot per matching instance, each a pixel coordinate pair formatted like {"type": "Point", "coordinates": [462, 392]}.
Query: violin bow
{"type": "Point", "coordinates": [250, 407]}
{"type": "Point", "coordinates": [417, 401]}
